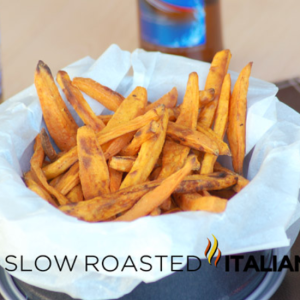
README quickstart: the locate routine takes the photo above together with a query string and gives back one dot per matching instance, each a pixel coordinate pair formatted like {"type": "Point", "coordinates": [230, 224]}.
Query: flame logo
{"type": "Point", "coordinates": [213, 251]}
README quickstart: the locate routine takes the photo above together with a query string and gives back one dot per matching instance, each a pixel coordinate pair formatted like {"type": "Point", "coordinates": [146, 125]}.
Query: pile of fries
{"type": "Point", "coordinates": [146, 158]}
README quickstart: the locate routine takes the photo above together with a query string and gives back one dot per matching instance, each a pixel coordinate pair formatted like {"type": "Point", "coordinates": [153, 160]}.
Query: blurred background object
{"type": "Point", "coordinates": [62, 31]}
{"type": "Point", "coordinates": [190, 28]}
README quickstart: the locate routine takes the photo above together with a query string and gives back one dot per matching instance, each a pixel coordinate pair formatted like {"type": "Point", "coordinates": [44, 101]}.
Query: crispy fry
{"type": "Point", "coordinates": [55, 180]}
{"type": "Point", "coordinates": [189, 108]}
{"type": "Point", "coordinates": [115, 178]}
{"type": "Point", "coordinates": [172, 159]}
{"type": "Point", "coordinates": [221, 118]}
{"type": "Point", "coordinates": [222, 146]}
{"type": "Point", "coordinates": [62, 164]}
{"type": "Point", "coordinates": [47, 146]}
{"type": "Point", "coordinates": [107, 97]}
{"type": "Point", "coordinates": [149, 153]}
{"type": "Point", "coordinates": [132, 107]}
{"type": "Point", "coordinates": [174, 155]}
{"type": "Point", "coordinates": [206, 96]}
{"type": "Point", "coordinates": [75, 195]}
{"type": "Point", "coordinates": [212, 181]}
{"type": "Point", "coordinates": [241, 181]}
{"type": "Point", "coordinates": [192, 138]}
{"type": "Point", "coordinates": [142, 135]}
{"type": "Point", "coordinates": [107, 135]}
{"type": "Point", "coordinates": [215, 77]}
{"type": "Point", "coordinates": [169, 100]}
{"type": "Point", "coordinates": [80, 105]}
{"type": "Point", "coordinates": [157, 196]}
{"type": "Point", "coordinates": [122, 163]}
{"type": "Point", "coordinates": [36, 163]}
{"type": "Point", "coordinates": [93, 170]}
{"type": "Point", "coordinates": [59, 121]}
{"type": "Point", "coordinates": [196, 202]}
{"type": "Point", "coordinates": [220, 124]}
{"type": "Point", "coordinates": [236, 132]}
{"type": "Point", "coordinates": [69, 180]}
{"type": "Point", "coordinates": [106, 206]}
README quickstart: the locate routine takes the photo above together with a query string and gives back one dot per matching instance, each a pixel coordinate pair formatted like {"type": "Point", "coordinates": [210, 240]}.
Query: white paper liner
{"type": "Point", "coordinates": [256, 219]}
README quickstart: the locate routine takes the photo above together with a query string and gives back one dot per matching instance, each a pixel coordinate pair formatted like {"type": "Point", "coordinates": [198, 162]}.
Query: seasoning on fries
{"type": "Point", "coordinates": [144, 159]}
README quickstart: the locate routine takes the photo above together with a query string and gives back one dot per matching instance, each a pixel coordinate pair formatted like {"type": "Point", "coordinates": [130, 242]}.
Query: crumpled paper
{"type": "Point", "coordinates": [257, 218]}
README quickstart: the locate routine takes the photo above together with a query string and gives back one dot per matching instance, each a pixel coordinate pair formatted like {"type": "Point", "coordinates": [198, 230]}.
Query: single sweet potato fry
{"type": "Point", "coordinates": [195, 202]}
{"type": "Point", "coordinates": [59, 120]}
{"type": "Point", "coordinates": [115, 178]}
{"type": "Point", "coordinates": [122, 163]}
{"type": "Point", "coordinates": [93, 170]}
{"type": "Point", "coordinates": [47, 146]}
{"type": "Point", "coordinates": [221, 117]}
{"type": "Point", "coordinates": [69, 180]}
{"type": "Point", "coordinates": [206, 96]}
{"type": "Point", "coordinates": [215, 77]}
{"type": "Point", "coordinates": [169, 100]}
{"type": "Point", "coordinates": [236, 132]}
{"type": "Point", "coordinates": [156, 197]}
{"type": "Point", "coordinates": [173, 156]}
{"type": "Point", "coordinates": [192, 138]}
{"type": "Point", "coordinates": [75, 195]}
{"type": "Point", "coordinates": [106, 206]}
{"type": "Point", "coordinates": [189, 108]}
{"type": "Point", "coordinates": [220, 125]}
{"type": "Point", "coordinates": [241, 181]}
{"type": "Point", "coordinates": [62, 164]}
{"type": "Point", "coordinates": [107, 97]}
{"type": "Point", "coordinates": [142, 135]}
{"type": "Point", "coordinates": [53, 182]}
{"type": "Point", "coordinates": [105, 136]}
{"type": "Point", "coordinates": [80, 105]}
{"type": "Point", "coordinates": [212, 181]}
{"type": "Point", "coordinates": [36, 163]}
{"type": "Point", "coordinates": [149, 152]}
{"type": "Point", "coordinates": [222, 146]}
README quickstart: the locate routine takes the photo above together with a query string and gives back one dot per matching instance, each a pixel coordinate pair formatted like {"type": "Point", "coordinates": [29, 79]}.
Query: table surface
{"type": "Point", "coordinates": [62, 31]}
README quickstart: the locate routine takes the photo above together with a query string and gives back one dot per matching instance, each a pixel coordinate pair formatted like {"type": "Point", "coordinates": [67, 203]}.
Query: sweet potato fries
{"type": "Point", "coordinates": [146, 158]}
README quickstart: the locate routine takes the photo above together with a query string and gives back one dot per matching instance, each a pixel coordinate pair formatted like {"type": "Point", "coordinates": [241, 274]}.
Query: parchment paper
{"type": "Point", "coordinates": [257, 218]}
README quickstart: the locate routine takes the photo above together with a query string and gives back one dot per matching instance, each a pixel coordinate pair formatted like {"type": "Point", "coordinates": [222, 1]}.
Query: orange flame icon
{"type": "Point", "coordinates": [213, 251]}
